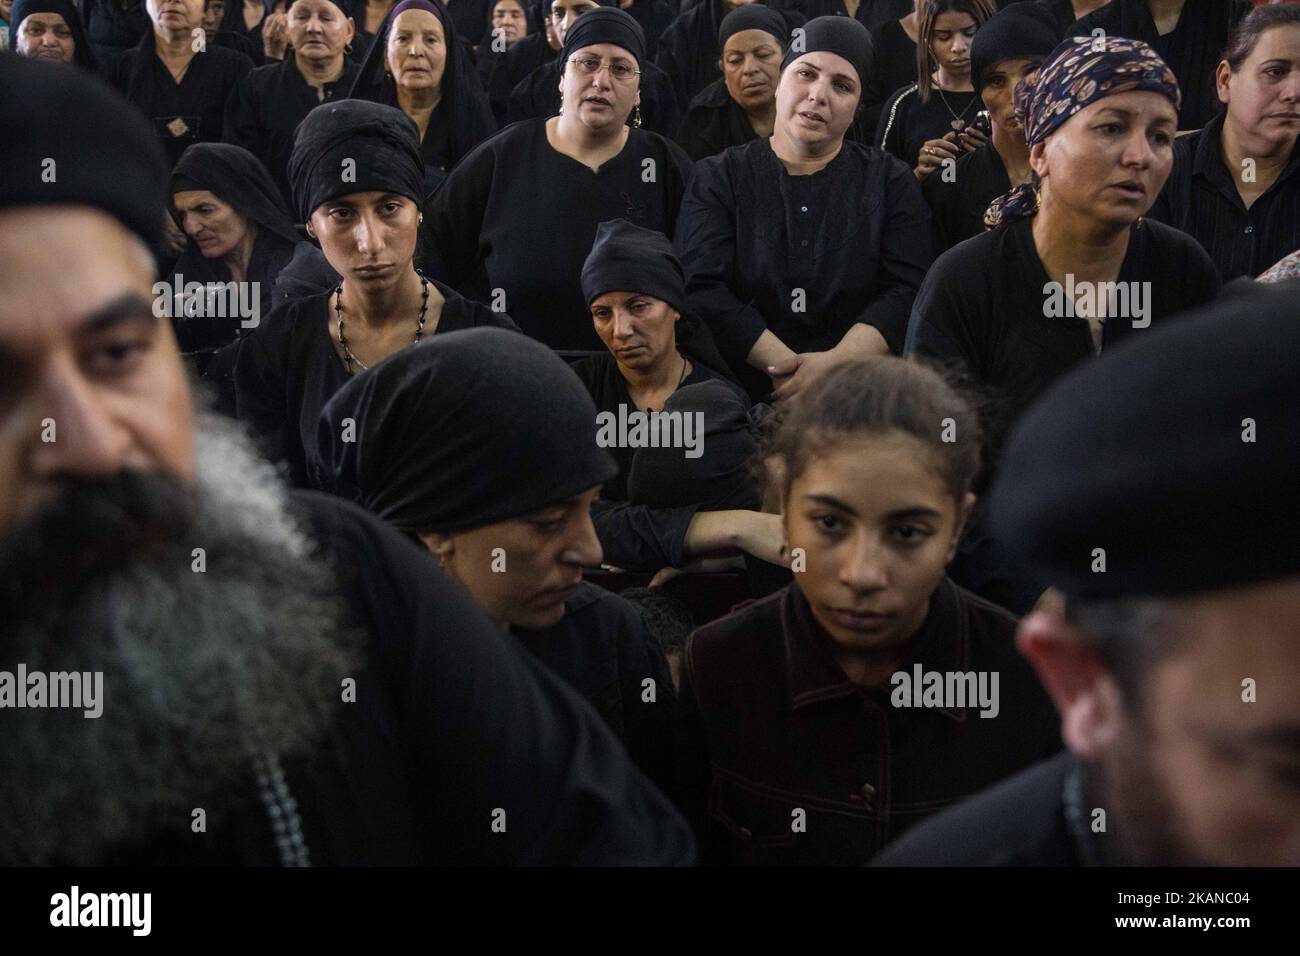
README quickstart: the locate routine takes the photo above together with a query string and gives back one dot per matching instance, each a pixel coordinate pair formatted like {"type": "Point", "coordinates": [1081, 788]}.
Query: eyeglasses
{"type": "Point", "coordinates": [591, 65]}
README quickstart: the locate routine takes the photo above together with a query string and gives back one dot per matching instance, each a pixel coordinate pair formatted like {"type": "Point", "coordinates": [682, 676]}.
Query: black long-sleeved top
{"type": "Point", "coordinates": [689, 51]}
{"type": "Point", "coordinates": [537, 96]}
{"type": "Point", "coordinates": [114, 26]}
{"type": "Point", "coordinates": [850, 243]}
{"type": "Point", "coordinates": [654, 16]}
{"type": "Point", "coordinates": [906, 123]}
{"type": "Point", "coordinates": [1200, 198]}
{"type": "Point", "coordinates": [500, 73]}
{"type": "Point", "coordinates": [288, 368]}
{"type": "Point", "coordinates": [1192, 49]}
{"type": "Point", "coordinates": [769, 724]}
{"type": "Point", "coordinates": [192, 111]}
{"type": "Point", "coordinates": [895, 69]}
{"type": "Point", "coordinates": [453, 722]}
{"type": "Point", "coordinates": [958, 203]}
{"type": "Point", "coordinates": [714, 121]}
{"type": "Point", "coordinates": [266, 107]}
{"type": "Point", "coordinates": [518, 216]}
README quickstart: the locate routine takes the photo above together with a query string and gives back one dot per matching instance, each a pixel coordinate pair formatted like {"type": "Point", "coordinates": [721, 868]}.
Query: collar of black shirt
{"type": "Point", "coordinates": [1208, 158]}
{"type": "Point", "coordinates": [813, 675]}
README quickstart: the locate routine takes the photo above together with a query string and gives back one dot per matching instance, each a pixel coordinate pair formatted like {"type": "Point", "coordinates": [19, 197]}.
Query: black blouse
{"type": "Point", "coordinates": [516, 220]}
{"type": "Point", "coordinates": [713, 122]}
{"type": "Point", "coordinates": [906, 123]}
{"type": "Point", "coordinates": [958, 202]}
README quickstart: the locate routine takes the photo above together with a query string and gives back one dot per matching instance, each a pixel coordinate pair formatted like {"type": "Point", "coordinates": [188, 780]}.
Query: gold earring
{"type": "Point", "coordinates": [636, 116]}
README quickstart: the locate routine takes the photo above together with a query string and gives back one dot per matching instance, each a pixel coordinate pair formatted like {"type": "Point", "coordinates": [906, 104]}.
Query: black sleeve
{"type": "Point", "coordinates": [938, 329]}
{"type": "Point", "coordinates": [649, 701]}
{"type": "Point", "coordinates": [242, 126]}
{"type": "Point", "coordinates": [491, 734]}
{"type": "Point", "coordinates": [692, 780]}
{"type": "Point", "coordinates": [640, 538]}
{"type": "Point", "coordinates": [261, 371]}
{"type": "Point", "coordinates": [453, 219]}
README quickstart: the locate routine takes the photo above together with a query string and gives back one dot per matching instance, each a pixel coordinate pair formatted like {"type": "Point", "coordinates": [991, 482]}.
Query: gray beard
{"type": "Point", "coordinates": [201, 670]}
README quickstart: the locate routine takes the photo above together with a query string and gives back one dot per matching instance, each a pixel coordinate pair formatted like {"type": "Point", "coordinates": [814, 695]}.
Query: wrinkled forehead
{"type": "Point", "coordinates": [63, 265]}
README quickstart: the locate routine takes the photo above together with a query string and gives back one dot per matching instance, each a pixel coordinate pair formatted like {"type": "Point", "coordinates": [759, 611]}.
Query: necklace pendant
{"type": "Point", "coordinates": [958, 124]}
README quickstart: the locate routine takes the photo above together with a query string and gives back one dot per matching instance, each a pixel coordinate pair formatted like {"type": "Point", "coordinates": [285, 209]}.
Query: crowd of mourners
{"type": "Point", "coordinates": [610, 432]}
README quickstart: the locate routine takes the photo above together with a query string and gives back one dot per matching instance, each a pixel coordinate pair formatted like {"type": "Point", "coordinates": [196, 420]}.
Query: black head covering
{"type": "Point", "coordinates": [841, 36]}
{"type": "Point", "coordinates": [83, 54]}
{"type": "Point", "coordinates": [105, 154]}
{"type": "Point", "coordinates": [629, 258]}
{"type": "Point", "coordinates": [237, 178]}
{"type": "Point", "coordinates": [463, 430]}
{"type": "Point", "coordinates": [1141, 453]}
{"type": "Point", "coordinates": [348, 7]}
{"type": "Point", "coordinates": [607, 24]}
{"type": "Point", "coordinates": [383, 142]}
{"type": "Point", "coordinates": [1021, 30]}
{"type": "Point", "coordinates": [754, 16]}
{"type": "Point", "coordinates": [232, 17]}
{"type": "Point", "coordinates": [717, 480]}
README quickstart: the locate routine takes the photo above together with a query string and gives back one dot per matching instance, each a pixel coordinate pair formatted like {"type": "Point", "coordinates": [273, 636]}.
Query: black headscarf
{"type": "Point", "coordinates": [1022, 30]}
{"type": "Point", "coordinates": [382, 143]}
{"type": "Point", "coordinates": [626, 257]}
{"type": "Point", "coordinates": [841, 36]}
{"type": "Point", "coordinates": [104, 153]}
{"type": "Point", "coordinates": [470, 119]}
{"type": "Point", "coordinates": [606, 24]}
{"type": "Point", "coordinates": [238, 179]}
{"type": "Point", "coordinates": [463, 430]}
{"type": "Point", "coordinates": [531, 22]}
{"type": "Point", "coordinates": [754, 16]}
{"type": "Point", "coordinates": [83, 54]}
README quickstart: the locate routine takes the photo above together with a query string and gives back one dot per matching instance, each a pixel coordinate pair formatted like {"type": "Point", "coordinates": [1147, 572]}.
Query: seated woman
{"type": "Point", "coordinates": [742, 105]}
{"type": "Point", "coordinates": [514, 222]}
{"type": "Point", "coordinates": [1235, 185]}
{"type": "Point", "coordinates": [214, 12]}
{"type": "Point", "coordinates": [180, 90]}
{"type": "Point", "coordinates": [1005, 50]}
{"type": "Point", "coordinates": [418, 65]}
{"type": "Point", "coordinates": [1071, 268]}
{"type": "Point", "coordinates": [509, 21]}
{"type": "Point", "coordinates": [305, 350]}
{"type": "Point", "coordinates": [538, 94]}
{"type": "Point", "coordinates": [481, 445]}
{"type": "Point", "coordinates": [50, 30]}
{"type": "Point", "coordinates": [636, 291]}
{"type": "Point", "coordinates": [238, 230]}
{"type": "Point", "coordinates": [1188, 36]}
{"type": "Point", "coordinates": [114, 26]}
{"type": "Point", "coordinates": [804, 249]}
{"type": "Point", "coordinates": [689, 48]}
{"type": "Point", "coordinates": [269, 103]}
{"type": "Point", "coordinates": [894, 40]}
{"type": "Point", "coordinates": [921, 123]}
{"type": "Point", "coordinates": [811, 732]}
{"type": "Point", "coordinates": [370, 16]}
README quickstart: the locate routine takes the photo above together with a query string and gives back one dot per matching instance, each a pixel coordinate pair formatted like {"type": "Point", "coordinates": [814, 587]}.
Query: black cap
{"type": "Point", "coordinates": [839, 35]}
{"type": "Point", "coordinates": [1020, 30]}
{"type": "Point", "coordinates": [629, 258]}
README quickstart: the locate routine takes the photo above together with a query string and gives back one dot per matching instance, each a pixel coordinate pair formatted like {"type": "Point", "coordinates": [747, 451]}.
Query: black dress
{"type": "Point", "coordinates": [906, 124]}
{"type": "Point", "coordinates": [515, 221]}
{"type": "Point", "coordinates": [804, 256]}
{"type": "Point", "coordinates": [266, 107]}
{"type": "Point", "coordinates": [537, 96]}
{"type": "Point", "coordinates": [958, 202]}
{"type": "Point", "coordinates": [689, 51]}
{"type": "Point", "coordinates": [714, 122]}
{"type": "Point", "coordinates": [192, 111]}
{"type": "Point", "coordinates": [114, 26]}
{"type": "Point", "coordinates": [895, 68]}
{"type": "Point", "coordinates": [288, 368]}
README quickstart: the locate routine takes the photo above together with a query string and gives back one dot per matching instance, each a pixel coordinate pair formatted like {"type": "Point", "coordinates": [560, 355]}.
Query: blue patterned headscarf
{"type": "Point", "coordinates": [1081, 71]}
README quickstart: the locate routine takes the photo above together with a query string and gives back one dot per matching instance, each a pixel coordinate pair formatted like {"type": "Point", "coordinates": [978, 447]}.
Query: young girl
{"type": "Point", "coordinates": [819, 723]}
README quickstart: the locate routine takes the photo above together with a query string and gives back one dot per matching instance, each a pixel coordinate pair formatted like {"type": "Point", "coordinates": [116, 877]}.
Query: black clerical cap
{"type": "Point", "coordinates": [1169, 466]}
{"type": "Point", "coordinates": [72, 139]}
{"type": "Point", "coordinates": [753, 16]}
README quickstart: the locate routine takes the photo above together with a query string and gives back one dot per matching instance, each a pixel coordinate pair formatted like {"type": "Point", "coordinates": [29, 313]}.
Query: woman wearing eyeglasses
{"type": "Point", "coordinates": [495, 236]}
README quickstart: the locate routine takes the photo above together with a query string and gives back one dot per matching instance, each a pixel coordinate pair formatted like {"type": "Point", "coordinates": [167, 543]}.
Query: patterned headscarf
{"type": "Point", "coordinates": [1081, 71]}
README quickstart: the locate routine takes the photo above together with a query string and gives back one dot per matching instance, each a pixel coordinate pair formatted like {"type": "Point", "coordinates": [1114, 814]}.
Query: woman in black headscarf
{"type": "Point", "coordinates": [689, 48]}
{"type": "Point", "coordinates": [806, 248]}
{"type": "Point", "coordinates": [53, 32]}
{"type": "Point", "coordinates": [1191, 43]}
{"type": "Point", "coordinates": [418, 65]}
{"type": "Point", "coordinates": [481, 445]}
{"type": "Point", "coordinates": [515, 221]}
{"type": "Point", "coordinates": [742, 105]}
{"type": "Point", "coordinates": [358, 179]}
{"type": "Point", "coordinates": [509, 21]}
{"type": "Point", "coordinates": [268, 104]}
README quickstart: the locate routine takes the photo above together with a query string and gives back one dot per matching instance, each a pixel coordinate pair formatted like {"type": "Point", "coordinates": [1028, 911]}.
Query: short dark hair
{"type": "Point", "coordinates": [1246, 34]}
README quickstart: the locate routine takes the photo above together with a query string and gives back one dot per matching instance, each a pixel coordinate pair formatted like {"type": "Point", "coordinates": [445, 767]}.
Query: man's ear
{"type": "Point", "coordinates": [1084, 692]}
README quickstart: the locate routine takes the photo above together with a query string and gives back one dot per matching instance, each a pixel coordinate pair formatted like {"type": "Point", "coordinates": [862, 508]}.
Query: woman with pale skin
{"type": "Point", "coordinates": [1235, 185]}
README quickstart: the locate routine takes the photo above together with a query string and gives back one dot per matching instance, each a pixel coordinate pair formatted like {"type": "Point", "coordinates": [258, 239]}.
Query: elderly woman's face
{"type": "Point", "coordinates": [600, 100]}
{"type": "Point", "coordinates": [520, 572]}
{"type": "Point", "coordinates": [1263, 96]}
{"type": "Point", "coordinates": [1110, 160]}
{"type": "Point", "coordinates": [369, 238]}
{"type": "Point", "coordinates": [751, 68]}
{"type": "Point", "coordinates": [175, 16]}
{"type": "Point", "coordinates": [508, 20]}
{"type": "Point", "coordinates": [817, 98]}
{"type": "Point", "coordinates": [46, 36]}
{"type": "Point", "coordinates": [318, 29]}
{"type": "Point", "coordinates": [212, 225]}
{"type": "Point", "coordinates": [417, 51]}
{"type": "Point", "coordinates": [639, 330]}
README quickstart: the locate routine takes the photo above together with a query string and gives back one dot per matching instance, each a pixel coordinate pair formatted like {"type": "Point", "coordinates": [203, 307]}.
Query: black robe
{"type": "Point", "coordinates": [854, 239]}
{"type": "Point", "coordinates": [114, 26]}
{"type": "Point", "coordinates": [895, 69]}
{"type": "Point", "coordinates": [906, 123]}
{"type": "Point", "coordinates": [266, 107]}
{"type": "Point", "coordinates": [519, 217]}
{"type": "Point", "coordinates": [500, 73]}
{"type": "Point", "coordinates": [958, 202]}
{"type": "Point", "coordinates": [654, 17]}
{"type": "Point", "coordinates": [1191, 50]}
{"type": "Point", "coordinates": [452, 721]}
{"type": "Point", "coordinates": [288, 368]}
{"type": "Point", "coordinates": [192, 111]}
{"type": "Point", "coordinates": [713, 123]}
{"type": "Point", "coordinates": [689, 50]}
{"type": "Point", "coordinates": [538, 97]}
